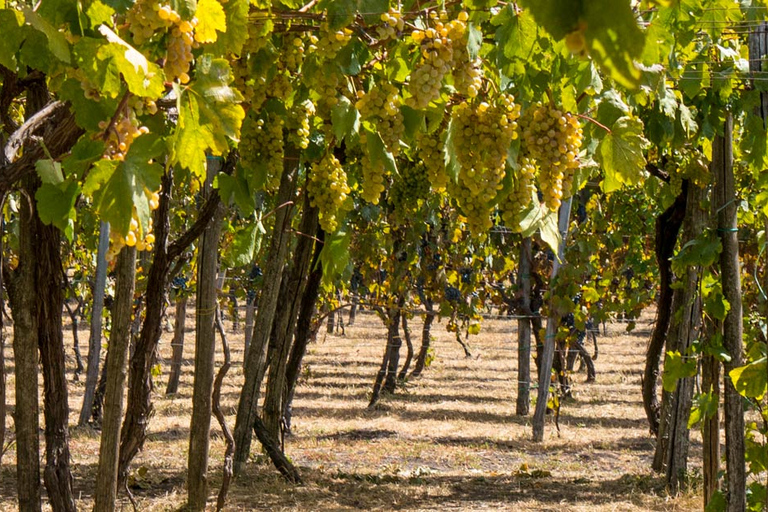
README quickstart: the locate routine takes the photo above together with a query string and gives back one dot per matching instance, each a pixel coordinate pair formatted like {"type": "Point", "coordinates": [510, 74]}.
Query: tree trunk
{"type": "Point", "coordinates": [294, 283]}
{"type": "Point", "coordinates": [409, 345]}
{"type": "Point", "coordinates": [523, 404]}
{"type": "Point", "coordinates": [50, 297]}
{"type": "Point", "coordinates": [139, 402]}
{"type": "Point", "coordinates": [673, 440]}
{"type": "Point", "coordinates": [74, 315]}
{"type": "Point", "coordinates": [177, 344]}
{"type": "Point", "coordinates": [393, 346]}
{"type": "Point", "coordinates": [304, 333]}
{"type": "Point", "coordinates": [205, 355]}
{"type": "Point", "coordinates": [217, 411]}
{"type": "Point", "coordinates": [21, 294]}
{"type": "Point", "coordinates": [250, 310]}
{"type": "Point", "coordinates": [727, 228]}
{"type": "Point", "coordinates": [553, 322]}
{"type": "Point", "coordinates": [254, 366]}
{"type": "Point", "coordinates": [668, 226]}
{"type": "Point", "coordinates": [710, 376]}
{"type": "Point", "coordinates": [105, 494]}
{"type": "Point", "coordinates": [97, 313]}
{"type": "Point", "coordinates": [426, 335]}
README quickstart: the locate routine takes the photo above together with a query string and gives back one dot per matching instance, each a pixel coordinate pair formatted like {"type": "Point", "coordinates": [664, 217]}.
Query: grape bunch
{"type": "Point", "coordinates": [381, 106]}
{"type": "Point", "coordinates": [374, 174]}
{"type": "Point", "coordinates": [122, 134]}
{"type": "Point", "coordinates": [467, 72]}
{"type": "Point", "coordinates": [179, 55]}
{"type": "Point", "coordinates": [482, 136]}
{"type": "Point", "coordinates": [327, 87]}
{"type": "Point", "coordinates": [436, 49]}
{"type": "Point", "coordinates": [300, 123]}
{"type": "Point", "coordinates": [430, 151]}
{"type": "Point", "coordinates": [143, 240]}
{"type": "Point", "coordinates": [292, 54]}
{"type": "Point", "coordinates": [328, 191]}
{"type": "Point", "coordinates": [261, 143]}
{"type": "Point", "coordinates": [330, 41]}
{"type": "Point", "coordinates": [393, 25]}
{"type": "Point", "coordinates": [411, 187]}
{"type": "Point", "coordinates": [520, 196]}
{"type": "Point", "coordinates": [148, 17]}
{"type": "Point", "coordinates": [553, 139]}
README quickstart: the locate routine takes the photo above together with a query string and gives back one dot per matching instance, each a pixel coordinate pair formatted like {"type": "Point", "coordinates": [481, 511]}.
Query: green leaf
{"type": "Point", "coordinates": [56, 205]}
{"type": "Point", "coordinates": [144, 78]}
{"type": "Point", "coordinates": [101, 172]}
{"type": "Point", "coordinates": [751, 380]}
{"type": "Point", "coordinates": [81, 158]}
{"type": "Point", "coordinates": [11, 21]}
{"type": "Point", "coordinates": [704, 407]}
{"type": "Point", "coordinates": [243, 247]}
{"type": "Point", "coordinates": [57, 43]}
{"type": "Point", "coordinates": [88, 113]}
{"type": "Point", "coordinates": [49, 171]}
{"type": "Point", "coordinates": [378, 152]}
{"type": "Point", "coordinates": [235, 188]}
{"type": "Point", "coordinates": [550, 233]}
{"type": "Point", "coordinates": [371, 10]}
{"type": "Point", "coordinates": [474, 41]}
{"type": "Point", "coordinates": [754, 143]}
{"type": "Point", "coordinates": [209, 115]}
{"type": "Point", "coordinates": [621, 154]}
{"type": "Point", "coordinates": [233, 39]}
{"type": "Point", "coordinates": [677, 367]}
{"type": "Point", "coordinates": [703, 251]}
{"type": "Point", "coordinates": [718, 502]}
{"type": "Point", "coordinates": [335, 255]}
{"type": "Point", "coordinates": [99, 13]}
{"type": "Point", "coordinates": [210, 18]}
{"type": "Point", "coordinates": [340, 12]}
{"type": "Point", "coordinates": [345, 119]}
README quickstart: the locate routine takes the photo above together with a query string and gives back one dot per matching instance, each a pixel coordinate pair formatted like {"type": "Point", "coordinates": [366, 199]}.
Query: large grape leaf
{"type": "Point", "coordinates": [11, 22]}
{"type": "Point", "coordinates": [345, 119]}
{"type": "Point", "coordinates": [244, 246]}
{"type": "Point", "coordinates": [209, 115]}
{"type": "Point", "coordinates": [751, 380]}
{"type": "Point", "coordinates": [621, 154]}
{"type": "Point", "coordinates": [144, 78]}
{"type": "Point", "coordinates": [56, 205]}
{"type": "Point", "coordinates": [677, 367]}
{"type": "Point", "coordinates": [210, 18]}
{"type": "Point", "coordinates": [126, 187]}
{"type": "Point", "coordinates": [233, 39]}
{"type": "Point", "coordinates": [57, 43]}
{"type": "Point", "coordinates": [378, 152]}
{"type": "Point", "coordinates": [335, 255]}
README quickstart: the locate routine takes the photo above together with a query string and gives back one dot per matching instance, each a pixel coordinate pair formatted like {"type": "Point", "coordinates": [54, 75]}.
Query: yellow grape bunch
{"type": "Point", "coordinates": [409, 188]}
{"type": "Point", "coordinates": [122, 133]}
{"type": "Point", "coordinates": [381, 107]}
{"type": "Point", "coordinates": [553, 139]}
{"type": "Point", "coordinates": [430, 152]}
{"type": "Point", "coordinates": [300, 123]}
{"type": "Point", "coordinates": [393, 25]}
{"type": "Point", "coordinates": [436, 46]}
{"type": "Point", "coordinates": [330, 42]}
{"type": "Point", "coordinates": [143, 240]}
{"type": "Point", "coordinates": [374, 174]}
{"type": "Point", "coordinates": [483, 133]}
{"type": "Point", "coordinates": [148, 18]}
{"type": "Point", "coordinates": [329, 192]}
{"type": "Point", "coordinates": [521, 193]}
{"type": "Point", "coordinates": [262, 143]}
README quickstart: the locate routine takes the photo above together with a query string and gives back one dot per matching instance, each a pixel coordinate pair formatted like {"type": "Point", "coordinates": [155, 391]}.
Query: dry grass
{"type": "Point", "coordinates": [447, 441]}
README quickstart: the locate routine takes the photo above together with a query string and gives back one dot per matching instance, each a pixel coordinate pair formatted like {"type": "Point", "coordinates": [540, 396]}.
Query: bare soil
{"type": "Point", "coordinates": [448, 440]}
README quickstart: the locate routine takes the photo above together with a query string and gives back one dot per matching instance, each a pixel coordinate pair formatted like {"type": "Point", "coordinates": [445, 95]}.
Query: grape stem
{"type": "Point", "coordinates": [277, 208]}
{"type": "Point", "coordinates": [118, 110]}
{"type": "Point", "coordinates": [595, 121]}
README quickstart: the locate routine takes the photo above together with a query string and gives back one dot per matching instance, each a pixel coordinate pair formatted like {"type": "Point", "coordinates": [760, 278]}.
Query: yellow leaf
{"type": "Point", "coordinates": [210, 18]}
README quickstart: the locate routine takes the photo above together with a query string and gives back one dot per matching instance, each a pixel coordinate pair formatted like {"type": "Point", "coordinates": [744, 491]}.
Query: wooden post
{"type": "Point", "coordinates": [523, 405]}
{"type": "Point", "coordinates": [553, 321]}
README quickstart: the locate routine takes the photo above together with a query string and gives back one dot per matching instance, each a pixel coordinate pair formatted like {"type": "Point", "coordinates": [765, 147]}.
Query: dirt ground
{"type": "Point", "coordinates": [448, 440]}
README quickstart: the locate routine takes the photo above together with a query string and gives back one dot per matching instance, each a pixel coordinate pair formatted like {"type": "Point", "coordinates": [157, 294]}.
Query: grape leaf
{"type": "Point", "coordinates": [208, 116]}
{"type": "Point", "coordinates": [344, 118]}
{"type": "Point", "coordinates": [88, 113]}
{"type": "Point", "coordinates": [82, 156]}
{"type": "Point", "coordinates": [99, 13]}
{"type": "Point", "coordinates": [751, 380]}
{"type": "Point", "coordinates": [57, 43]}
{"type": "Point", "coordinates": [144, 78]}
{"type": "Point", "coordinates": [378, 152]}
{"type": "Point", "coordinates": [56, 205]}
{"type": "Point", "coordinates": [13, 35]}
{"type": "Point", "coordinates": [234, 37]}
{"type": "Point", "coordinates": [210, 18]}
{"type": "Point", "coordinates": [244, 245]}
{"type": "Point", "coordinates": [677, 367]}
{"type": "Point", "coordinates": [49, 171]}
{"type": "Point", "coordinates": [621, 154]}
{"type": "Point", "coordinates": [335, 255]}
{"type": "Point", "coordinates": [550, 233]}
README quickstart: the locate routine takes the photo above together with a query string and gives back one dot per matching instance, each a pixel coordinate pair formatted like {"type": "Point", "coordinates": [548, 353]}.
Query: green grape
{"type": "Point", "coordinates": [330, 42]}
{"type": "Point", "coordinates": [300, 123]}
{"type": "Point", "coordinates": [328, 191]}
{"type": "Point", "coordinates": [327, 87]}
{"type": "Point", "coordinates": [467, 73]}
{"type": "Point", "coordinates": [374, 175]}
{"type": "Point", "coordinates": [552, 138]}
{"type": "Point", "coordinates": [259, 33]}
{"type": "Point", "coordinates": [261, 144]}
{"type": "Point", "coordinates": [436, 50]}
{"type": "Point", "coordinates": [292, 55]}
{"type": "Point", "coordinates": [482, 136]}
{"type": "Point", "coordinates": [411, 187]}
{"type": "Point", "coordinates": [122, 134]}
{"type": "Point", "coordinates": [520, 195]}
{"type": "Point", "coordinates": [179, 56]}
{"type": "Point", "coordinates": [147, 18]}
{"type": "Point", "coordinates": [393, 25]}
{"type": "Point", "coordinates": [381, 106]}
{"type": "Point", "coordinates": [430, 151]}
